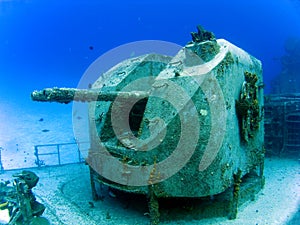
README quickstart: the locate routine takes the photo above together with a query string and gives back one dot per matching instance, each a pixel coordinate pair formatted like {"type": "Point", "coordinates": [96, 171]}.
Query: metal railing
{"type": "Point", "coordinates": [58, 146]}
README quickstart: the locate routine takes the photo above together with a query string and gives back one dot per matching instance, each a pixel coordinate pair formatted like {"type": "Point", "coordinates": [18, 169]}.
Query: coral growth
{"type": "Point", "coordinates": [247, 107]}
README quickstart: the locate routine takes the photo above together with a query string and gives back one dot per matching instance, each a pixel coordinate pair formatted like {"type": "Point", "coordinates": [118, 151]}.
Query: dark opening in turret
{"type": "Point", "coordinates": [136, 115]}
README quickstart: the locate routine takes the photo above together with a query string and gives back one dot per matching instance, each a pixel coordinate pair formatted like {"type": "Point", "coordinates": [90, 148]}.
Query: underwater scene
{"type": "Point", "coordinates": [149, 112]}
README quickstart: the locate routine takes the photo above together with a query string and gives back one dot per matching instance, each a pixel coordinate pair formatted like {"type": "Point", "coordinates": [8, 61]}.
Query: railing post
{"type": "Point", "coordinates": [36, 153]}
{"type": "Point", "coordinates": [78, 150]}
{"type": "Point", "coordinates": [1, 165]}
{"type": "Point", "coordinates": [284, 135]}
{"type": "Point", "coordinates": [58, 154]}
{"type": "Point", "coordinates": [79, 158]}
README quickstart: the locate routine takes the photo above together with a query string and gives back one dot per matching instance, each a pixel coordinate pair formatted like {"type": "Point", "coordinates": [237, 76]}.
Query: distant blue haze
{"type": "Point", "coordinates": [45, 43]}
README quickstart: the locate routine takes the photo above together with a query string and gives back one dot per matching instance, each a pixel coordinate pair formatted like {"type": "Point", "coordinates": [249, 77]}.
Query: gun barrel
{"type": "Point", "coordinates": [67, 95]}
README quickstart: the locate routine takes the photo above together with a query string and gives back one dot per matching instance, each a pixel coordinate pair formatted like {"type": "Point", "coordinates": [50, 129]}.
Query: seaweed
{"type": "Point", "coordinates": [247, 107]}
{"type": "Point", "coordinates": [153, 206]}
{"type": "Point", "coordinates": [203, 44]}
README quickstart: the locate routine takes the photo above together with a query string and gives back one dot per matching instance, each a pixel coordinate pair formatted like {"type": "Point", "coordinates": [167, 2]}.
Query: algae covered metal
{"type": "Point", "coordinates": [184, 126]}
{"type": "Point", "coordinates": [17, 202]}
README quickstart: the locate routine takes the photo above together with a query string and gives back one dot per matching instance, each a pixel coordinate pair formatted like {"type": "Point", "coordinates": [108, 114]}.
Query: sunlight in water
{"type": "Point", "coordinates": [6, 122]}
{"type": "Point", "coordinates": [4, 216]}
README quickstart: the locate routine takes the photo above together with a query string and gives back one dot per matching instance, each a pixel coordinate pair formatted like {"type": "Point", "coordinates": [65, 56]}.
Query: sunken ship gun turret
{"type": "Point", "coordinates": [185, 126]}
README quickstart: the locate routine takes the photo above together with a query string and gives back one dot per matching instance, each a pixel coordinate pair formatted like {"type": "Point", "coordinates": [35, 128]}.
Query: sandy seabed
{"type": "Point", "coordinates": [65, 191]}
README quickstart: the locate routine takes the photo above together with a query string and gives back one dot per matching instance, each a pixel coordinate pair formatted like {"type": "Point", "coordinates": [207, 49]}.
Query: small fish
{"type": "Point", "coordinates": [41, 120]}
{"type": "Point", "coordinates": [45, 130]}
{"type": "Point", "coordinates": [111, 194]}
{"type": "Point", "coordinates": [92, 205]}
{"type": "Point", "coordinates": [79, 117]}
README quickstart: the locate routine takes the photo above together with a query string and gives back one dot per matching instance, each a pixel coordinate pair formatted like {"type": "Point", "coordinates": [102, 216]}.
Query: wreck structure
{"type": "Point", "coordinates": [282, 124]}
{"type": "Point", "coordinates": [282, 106]}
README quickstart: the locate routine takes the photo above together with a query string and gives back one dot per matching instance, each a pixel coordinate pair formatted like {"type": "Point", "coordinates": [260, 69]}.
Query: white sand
{"type": "Point", "coordinates": [66, 193]}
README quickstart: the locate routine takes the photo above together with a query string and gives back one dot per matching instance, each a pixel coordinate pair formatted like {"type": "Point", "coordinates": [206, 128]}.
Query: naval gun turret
{"type": "Point", "coordinates": [185, 126]}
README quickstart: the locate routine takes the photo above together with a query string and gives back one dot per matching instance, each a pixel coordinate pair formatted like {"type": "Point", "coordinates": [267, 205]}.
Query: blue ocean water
{"type": "Point", "coordinates": [48, 43]}
{"type": "Point", "coordinates": [51, 43]}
